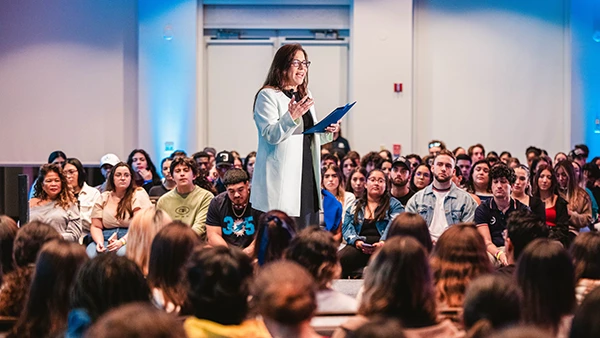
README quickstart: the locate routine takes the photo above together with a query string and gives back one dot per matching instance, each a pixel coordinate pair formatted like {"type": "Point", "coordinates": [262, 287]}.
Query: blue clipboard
{"type": "Point", "coordinates": [333, 117]}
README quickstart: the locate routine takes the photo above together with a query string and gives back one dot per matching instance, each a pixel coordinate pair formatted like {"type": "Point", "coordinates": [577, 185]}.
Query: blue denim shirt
{"type": "Point", "coordinates": [351, 230]}
{"type": "Point", "coordinates": [458, 204]}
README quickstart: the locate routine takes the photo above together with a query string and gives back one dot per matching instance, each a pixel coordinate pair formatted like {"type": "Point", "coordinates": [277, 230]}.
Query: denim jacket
{"type": "Point", "coordinates": [351, 231]}
{"type": "Point", "coordinates": [458, 204]}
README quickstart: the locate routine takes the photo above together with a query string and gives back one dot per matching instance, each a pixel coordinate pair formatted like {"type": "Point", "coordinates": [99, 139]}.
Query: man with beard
{"type": "Point", "coordinates": [442, 203]}
{"type": "Point", "coordinates": [399, 177]}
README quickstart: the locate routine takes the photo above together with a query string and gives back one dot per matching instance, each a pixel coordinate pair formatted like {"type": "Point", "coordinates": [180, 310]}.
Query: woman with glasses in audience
{"type": "Point", "coordinates": [365, 222]}
{"type": "Point", "coordinates": [113, 213]}
{"type": "Point", "coordinates": [479, 181]}
{"type": "Point", "coordinates": [545, 187]}
{"type": "Point", "coordinates": [421, 177]}
{"type": "Point", "coordinates": [521, 191]}
{"type": "Point", "coordinates": [145, 174]}
{"type": "Point", "coordinates": [287, 168]}
{"type": "Point", "coordinates": [86, 196]}
{"type": "Point", "coordinates": [54, 204]}
{"type": "Point", "coordinates": [579, 203]}
{"type": "Point", "coordinates": [356, 181]}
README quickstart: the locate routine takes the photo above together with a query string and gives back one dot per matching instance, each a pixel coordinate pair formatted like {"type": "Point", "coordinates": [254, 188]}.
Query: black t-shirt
{"type": "Point", "coordinates": [404, 199]}
{"type": "Point", "coordinates": [237, 230]}
{"type": "Point", "coordinates": [157, 191]}
{"type": "Point", "coordinates": [488, 213]}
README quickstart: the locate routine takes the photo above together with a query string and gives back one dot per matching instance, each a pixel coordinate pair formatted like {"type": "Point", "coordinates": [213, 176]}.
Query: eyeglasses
{"type": "Point", "coordinates": [70, 172]}
{"type": "Point", "coordinates": [378, 180]}
{"type": "Point", "coordinates": [297, 63]}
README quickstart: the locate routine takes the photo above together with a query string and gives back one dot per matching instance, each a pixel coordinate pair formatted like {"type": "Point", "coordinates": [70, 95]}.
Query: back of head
{"type": "Point", "coordinates": [544, 268]}
{"type": "Point", "coordinates": [491, 302]}
{"type": "Point", "coordinates": [136, 320]}
{"type": "Point", "coordinates": [275, 231]}
{"type": "Point", "coordinates": [315, 250]}
{"type": "Point", "coordinates": [398, 283]}
{"type": "Point", "coordinates": [522, 228]}
{"type": "Point", "coordinates": [285, 293]}
{"type": "Point", "coordinates": [585, 251]}
{"type": "Point", "coordinates": [458, 257]}
{"type": "Point", "coordinates": [379, 327]}
{"type": "Point", "coordinates": [521, 332]}
{"type": "Point", "coordinates": [8, 232]}
{"type": "Point", "coordinates": [106, 282]}
{"type": "Point", "coordinates": [170, 250]}
{"type": "Point", "coordinates": [30, 239]}
{"type": "Point", "coordinates": [410, 224]}
{"type": "Point", "coordinates": [218, 284]}
{"type": "Point", "coordinates": [144, 226]}
{"type": "Point", "coordinates": [585, 323]}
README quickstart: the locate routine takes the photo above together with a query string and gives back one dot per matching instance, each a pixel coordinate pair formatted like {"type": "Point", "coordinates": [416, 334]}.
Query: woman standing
{"type": "Point", "coordinates": [54, 204]}
{"type": "Point", "coordinates": [545, 186]}
{"type": "Point", "coordinates": [112, 215]}
{"type": "Point", "coordinates": [287, 172]}
{"type": "Point", "coordinates": [521, 191]}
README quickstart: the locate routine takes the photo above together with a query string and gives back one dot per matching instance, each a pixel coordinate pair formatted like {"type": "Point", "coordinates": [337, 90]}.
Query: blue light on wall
{"type": "Point", "coordinates": [167, 75]}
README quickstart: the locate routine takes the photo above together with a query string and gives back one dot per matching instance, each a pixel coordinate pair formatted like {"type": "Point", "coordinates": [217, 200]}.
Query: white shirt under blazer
{"type": "Point", "coordinates": [278, 169]}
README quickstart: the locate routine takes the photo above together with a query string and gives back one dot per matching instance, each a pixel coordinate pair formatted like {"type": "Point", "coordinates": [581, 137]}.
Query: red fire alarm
{"type": "Point", "coordinates": [398, 87]}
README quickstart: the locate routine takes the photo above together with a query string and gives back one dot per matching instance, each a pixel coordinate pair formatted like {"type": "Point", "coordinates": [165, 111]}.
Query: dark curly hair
{"type": "Point", "coordinates": [501, 170]}
{"type": "Point", "coordinates": [65, 198]}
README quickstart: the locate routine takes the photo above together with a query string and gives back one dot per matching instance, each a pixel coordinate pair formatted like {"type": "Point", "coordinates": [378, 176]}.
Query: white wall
{"type": "Point", "coordinates": [496, 74]}
{"type": "Point", "coordinates": [68, 71]}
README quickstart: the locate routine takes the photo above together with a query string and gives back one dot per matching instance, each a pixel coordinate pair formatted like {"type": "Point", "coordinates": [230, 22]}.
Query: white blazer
{"type": "Point", "coordinates": [276, 182]}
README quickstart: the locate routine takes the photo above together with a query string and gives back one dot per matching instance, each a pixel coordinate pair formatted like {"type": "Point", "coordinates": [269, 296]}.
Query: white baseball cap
{"type": "Point", "coordinates": [111, 159]}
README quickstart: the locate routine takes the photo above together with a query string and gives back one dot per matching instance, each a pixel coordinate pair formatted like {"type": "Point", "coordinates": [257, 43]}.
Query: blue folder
{"type": "Point", "coordinates": [333, 117]}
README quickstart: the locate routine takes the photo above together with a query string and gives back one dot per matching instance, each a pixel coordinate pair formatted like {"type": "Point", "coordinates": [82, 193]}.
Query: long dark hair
{"type": "Point", "coordinates": [282, 62]}
{"type": "Point", "coordinates": [360, 170]}
{"type": "Point", "coordinates": [413, 225]}
{"type": "Point", "coordinates": [81, 175]}
{"type": "Point", "coordinates": [45, 314]}
{"type": "Point", "coordinates": [536, 178]}
{"type": "Point", "coordinates": [275, 231]}
{"type": "Point", "coordinates": [567, 166]}
{"type": "Point", "coordinates": [65, 198]}
{"type": "Point", "coordinates": [125, 208]}
{"type": "Point", "coordinates": [413, 186]}
{"type": "Point", "coordinates": [471, 181]}
{"type": "Point", "coordinates": [170, 250]}
{"type": "Point", "coordinates": [384, 202]}
{"type": "Point", "coordinates": [544, 268]}
{"type": "Point", "coordinates": [151, 167]}
{"type": "Point", "coordinates": [585, 251]}
{"type": "Point", "coordinates": [8, 232]}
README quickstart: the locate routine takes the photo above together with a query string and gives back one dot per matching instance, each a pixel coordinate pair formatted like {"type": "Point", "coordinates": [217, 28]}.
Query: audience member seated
{"type": "Point", "coordinates": [145, 174]}
{"type": "Point", "coordinates": [479, 180]}
{"type": "Point", "coordinates": [107, 162]}
{"type": "Point", "coordinates": [223, 162]}
{"type": "Point", "coordinates": [28, 243]}
{"type": "Point", "coordinates": [47, 307]}
{"type": "Point", "coordinates": [399, 178]}
{"type": "Point", "coordinates": [349, 163]}
{"type": "Point", "coordinates": [332, 180]}
{"type": "Point", "coordinates": [203, 179]}
{"type": "Point", "coordinates": [275, 231]}
{"type": "Point", "coordinates": [187, 202]}
{"type": "Point", "coordinates": [56, 157]}
{"type": "Point", "coordinates": [398, 285]}
{"type": "Point", "coordinates": [585, 321]}
{"type": "Point", "coordinates": [521, 191]}
{"type": "Point", "coordinates": [522, 227]}
{"type": "Point", "coordinates": [435, 146]}
{"type": "Point", "coordinates": [144, 226]}
{"type": "Point", "coordinates": [463, 162]}
{"type": "Point", "coordinates": [54, 204]}
{"type": "Point", "coordinates": [579, 203]}
{"type": "Point", "coordinates": [421, 177]}
{"type": "Point", "coordinates": [356, 182]}
{"type": "Point", "coordinates": [170, 250]}
{"type": "Point", "coordinates": [415, 161]}
{"type": "Point", "coordinates": [218, 288]}
{"type": "Point", "coordinates": [545, 187]}
{"type": "Point", "coordinates": [366, 221]}
{"type": "Point", "coordinates": [249, 164]}
{"type": "Point", "coordinates": [316, 250]}
{"type": "Point", "coordinates": [285, 297]}
{"type": "Point", "coordinates": [8, 232]}
{"type": "Point", "coordinates": [442, 204]}
{"type": "Point", "coordinates": [585, 252]}
{"type": "Point", "coordinates": [168, 183]}
{"type": "Point", "coordinates": [370, 161]}
{"type": "Point", "coordinates": [458, 258]}
{"type": "Point", "coordinates": [490, 216]}
{"type": "Point", "coordinates": [477, 152]}
{"type": "Point", "coordinates": [386, 167]}
{"type": "Point", "coordinates": [380, 327]}
{"type": "Point", "coordinates": [136, 320]}
{"type": "Point", "coordinates": [491, 303]}
{"type": "Point", "coordinates": [459, 180]}
{"type": "Point", "coordinates": [102, 284]}
{"type": "Point", "coordinates": [113, 213]}
{"type": "Point", "coordinates": [545, 274]}
{"type": "Point", "coordinates": [413, 225]}
{"type": "Point", "coordinates": [231, 220]}
{"type": "Point", "coordinates": [86, 196]}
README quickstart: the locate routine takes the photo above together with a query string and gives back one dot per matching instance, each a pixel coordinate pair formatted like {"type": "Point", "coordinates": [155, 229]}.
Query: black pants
{"type": "Point", "coordinates": [304, 221]}
{"type": "Point", "coordinates": [352, 260]}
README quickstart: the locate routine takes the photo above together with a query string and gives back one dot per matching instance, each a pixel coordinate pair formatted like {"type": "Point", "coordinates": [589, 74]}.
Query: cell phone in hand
{"type": "Point", "coordinates": [112, 237]}
{"type": "Point", "coordinates": [367, 245]}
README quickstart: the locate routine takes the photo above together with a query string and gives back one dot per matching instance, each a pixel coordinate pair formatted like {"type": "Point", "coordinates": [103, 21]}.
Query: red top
{"type": "Point", "coordinates": [551, 216]}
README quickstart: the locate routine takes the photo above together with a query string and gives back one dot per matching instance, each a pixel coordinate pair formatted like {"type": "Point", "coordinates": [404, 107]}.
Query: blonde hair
{"type": "Point", "coordinates": [143, 228]}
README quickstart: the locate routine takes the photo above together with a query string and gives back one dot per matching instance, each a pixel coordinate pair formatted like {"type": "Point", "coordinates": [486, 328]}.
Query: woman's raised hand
{"type": "Point", "coordinates": [297, 109]}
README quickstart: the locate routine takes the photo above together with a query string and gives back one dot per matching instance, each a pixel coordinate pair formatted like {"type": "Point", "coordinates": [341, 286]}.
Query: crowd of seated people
{"type": "Point", "coordinates": [458, 243]}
